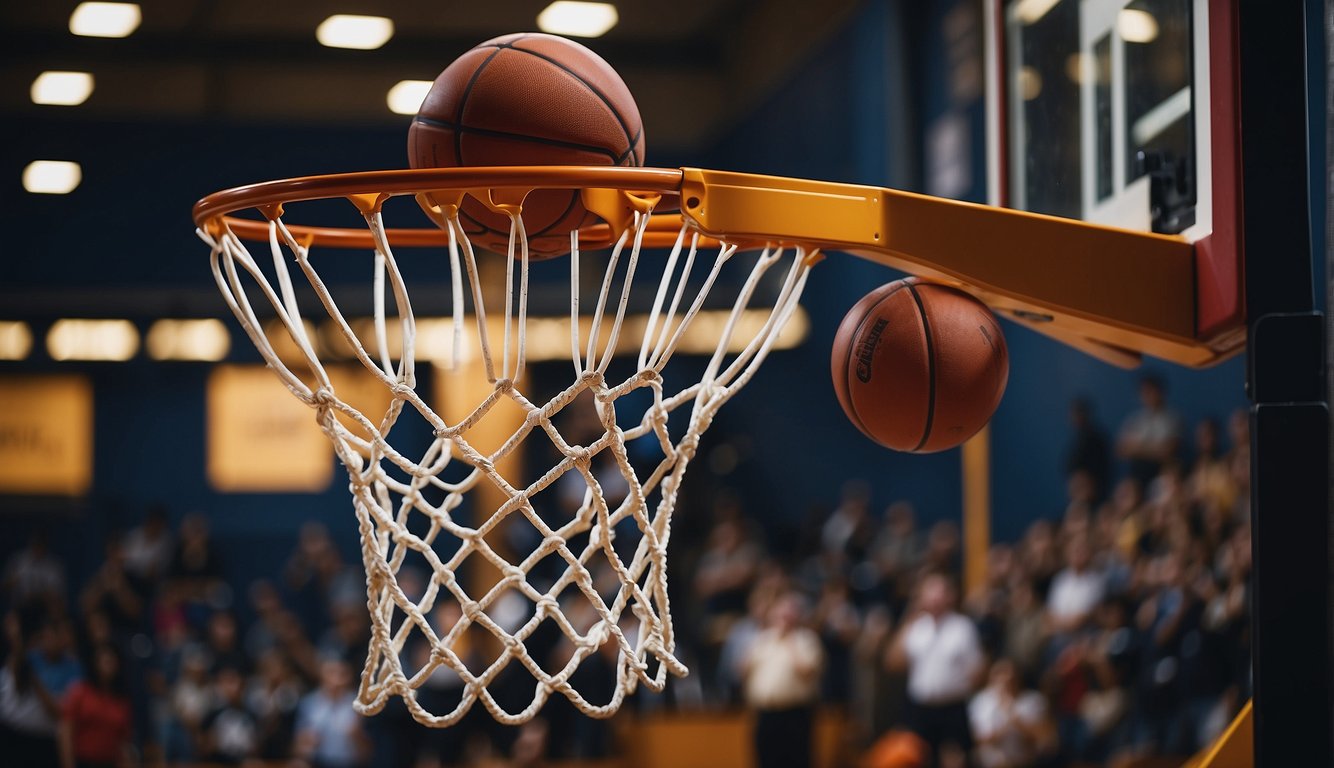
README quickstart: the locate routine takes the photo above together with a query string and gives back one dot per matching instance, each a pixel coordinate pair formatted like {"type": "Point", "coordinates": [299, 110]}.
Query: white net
{"type": "Point", "coordinates": [606, 599]}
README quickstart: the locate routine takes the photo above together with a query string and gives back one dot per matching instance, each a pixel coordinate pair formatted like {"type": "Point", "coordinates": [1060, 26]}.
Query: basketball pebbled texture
{"type": "Point", "coordinates": [919, 367]}
{"type": "Point", "coordinates": [527, 99]}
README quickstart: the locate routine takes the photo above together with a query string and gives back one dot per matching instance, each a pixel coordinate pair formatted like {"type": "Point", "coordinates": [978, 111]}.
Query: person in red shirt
{"type": "Point", "coordinates": [95, 731]}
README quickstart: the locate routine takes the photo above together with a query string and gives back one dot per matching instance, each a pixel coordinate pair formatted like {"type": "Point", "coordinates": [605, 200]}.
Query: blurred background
{"type": "Point", "coordinates": [149, 567]}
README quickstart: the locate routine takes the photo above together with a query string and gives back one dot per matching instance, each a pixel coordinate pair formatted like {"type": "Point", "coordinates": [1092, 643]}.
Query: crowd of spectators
{"type": "Point", "coordinates": [1112, 629]}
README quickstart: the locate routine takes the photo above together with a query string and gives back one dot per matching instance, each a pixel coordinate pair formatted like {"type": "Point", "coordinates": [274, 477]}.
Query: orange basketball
{"type": "Point", "coordinates": [919, 366]}
{"type": "Point", "coordinates": [897, 749]}
{"type": "Point", "coordinates": [527, 99]}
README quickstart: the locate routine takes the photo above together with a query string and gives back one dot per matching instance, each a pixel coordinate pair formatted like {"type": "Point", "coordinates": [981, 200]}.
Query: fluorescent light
{"type": "Point", "coordinates": [205, 340]}
{"type": "Point", "coordinates": [364, 33]}
{"type": "Point", "coordinates": [15, 340]}
{"type": "Point", "coordinates": [92, 340]}
{"type": "Point", "coordinates": [105, 19]}
{"type": "Point", "coordinates": [1136, 26]}
{"type": "Point", "coordinates": [1032, 11]}
{"type": "Point", "coordinates": [62, 88]}
{"type": "Point", "coordinates": [405, 98]}
{"type": "Point", "coordinates": [579, 19]}
{"type": "Point", "coordinates": [52, 177]}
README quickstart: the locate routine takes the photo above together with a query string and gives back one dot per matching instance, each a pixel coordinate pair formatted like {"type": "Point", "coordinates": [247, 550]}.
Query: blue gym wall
{"type": "Point", "coordinates": [853, 111]}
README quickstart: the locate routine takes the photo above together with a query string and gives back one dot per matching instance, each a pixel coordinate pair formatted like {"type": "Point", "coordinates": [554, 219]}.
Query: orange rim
{"type": "Point", "coordinates": [268, 198]}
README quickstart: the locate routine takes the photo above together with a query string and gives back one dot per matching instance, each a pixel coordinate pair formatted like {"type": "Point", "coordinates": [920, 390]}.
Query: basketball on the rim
{"type": "Point", "coordinates": [527, 99]}
{"type": "Point", "coordinates": [918, 366]}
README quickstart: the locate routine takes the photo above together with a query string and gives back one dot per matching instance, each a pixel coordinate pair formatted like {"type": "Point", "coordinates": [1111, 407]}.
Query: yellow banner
{"type": "Point", "coordinates": [260, 437]}
{"type": "Point", "coordinates": [46, 434]}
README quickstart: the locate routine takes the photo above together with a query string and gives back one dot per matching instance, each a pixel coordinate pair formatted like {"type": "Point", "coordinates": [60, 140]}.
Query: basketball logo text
{"type": "Point", "coordinates": [866, 348]}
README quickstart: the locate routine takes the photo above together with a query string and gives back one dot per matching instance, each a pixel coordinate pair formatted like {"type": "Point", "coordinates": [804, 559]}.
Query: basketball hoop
{"type": "Point", "coordinates": [397, 496]}
{"type": "Point", "coordinates": [1067, 279]}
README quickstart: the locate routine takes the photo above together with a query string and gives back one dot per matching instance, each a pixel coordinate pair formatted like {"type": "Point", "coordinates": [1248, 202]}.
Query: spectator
{"type": "Point", "coordinates": [1088, 453]}
{"type": "Point", "coordinates": [316, 578]}
{"type": "Point", "coordinates": [34, 574]}
{"type": "Point", "coordinates": [191, 699]}
{"type": "Point", "coordinates": [1011, 726]}
{"type": "Point", "coordinates": [1210, 481]}
{"type": "Point", "coordinates": [267, 609]}
{"type": "Point", "coordinates": [897, 551]}
{"type": "Point", "coordinates": [1041, 555]}
{"type": "Point", "coordinates": [53, 658]}
{"type": "Point", "coordinates": [1088, 683]}
{"type": "Point", "coordinates": [149, 546]}
{"type": "Point", "coordinates": [1164, 616]}
{"type": "Point", "coordinates": [847, 532]}
{"type": "Point", "coordinates": [272, 697]}
{"type": "Point", "coordinates": [771, 584]}
{"type": "Point", "coordinates": [782, 679]}
{"type": "Point", "coordinates": [724, 576]}
{"type": "Point", "coordinates": [224, 645]}
{"type": "Point", "coordinates": [28, 712]}
{"type": "Point", "coordinates": [329, 732]}
{"type": "Point", "coordinates": [878, 698]}
{"type": "Point", "coordinates": [228, 734]}
{"type": "Point", "coordinates": [987, 602]}
{"type": "Point", "coordinates": [944, 548]}
{"type": "Point", "coordinates": [196, 566]}
{"type": "Point", "coordinates": [348, 635]}
{"type": "Point", "coordinates": [1075, 590]}
{"type": "Point", "coordinates": [1025, 629]}
{"type": "Point", "coordinates": [114, 592]}
{"type": "Point", "coordinates": [940, 650]}
{"type": "Point", "coordinates": [96, 728]}
{"type": "Point", "coordinates": [838, 621]}
{"type": "Point", "coordinates": [1151, 437]}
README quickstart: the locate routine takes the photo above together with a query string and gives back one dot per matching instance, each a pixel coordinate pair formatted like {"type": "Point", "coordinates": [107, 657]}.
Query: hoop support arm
{"type": "Point", "coordinates": [1115, 291]}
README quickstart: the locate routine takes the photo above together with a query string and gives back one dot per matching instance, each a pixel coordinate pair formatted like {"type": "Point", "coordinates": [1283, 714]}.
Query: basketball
{"type": "Point", "coordinates": [527, 99]}
{"type": "Point", "coordinates": [897, 749]}
{"type": "Point", "coordinates": [918, 366]}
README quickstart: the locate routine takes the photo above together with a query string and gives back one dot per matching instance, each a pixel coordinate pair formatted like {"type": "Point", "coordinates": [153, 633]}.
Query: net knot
{"type": "Point", "coordinates": [401, 391]}
{"type": "Point", "coordinates": [323, 398]}
{"type": "Point", "coordinates": [547, 606]}
{"type": "Point", "coordinates": [513, 574]}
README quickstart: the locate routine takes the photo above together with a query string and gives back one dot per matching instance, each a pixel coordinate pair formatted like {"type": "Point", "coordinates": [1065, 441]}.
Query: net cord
{"type": "Point", "coordinates": [388, 487]}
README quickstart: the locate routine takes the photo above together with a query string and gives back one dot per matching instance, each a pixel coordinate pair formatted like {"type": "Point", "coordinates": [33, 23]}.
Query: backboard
{"type": "Point", "coordinates": [1124, 113]}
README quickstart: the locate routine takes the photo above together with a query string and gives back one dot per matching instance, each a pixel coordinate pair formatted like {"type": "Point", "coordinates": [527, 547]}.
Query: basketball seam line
{"type": "Point", "coordinates": [631, 149]}
{"type": "Point", "coordinates": [930, 367]}
{"type": "Point", "coordinates": [459, 130]}
{"type": "Point", "coordinates": [847, 383]}
{"type": "Point", "coordinates": [463, 101]}
{"type": "Point", "coordinates": [625, 128]}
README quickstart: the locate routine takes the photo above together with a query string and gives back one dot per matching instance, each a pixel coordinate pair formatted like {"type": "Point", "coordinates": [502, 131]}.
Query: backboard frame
{"type": "Point", "coordinates": [1216, 236]}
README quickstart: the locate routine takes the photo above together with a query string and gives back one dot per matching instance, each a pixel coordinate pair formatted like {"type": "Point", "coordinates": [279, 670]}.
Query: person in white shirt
{"type": "Point", "coordinates": [941, 652]}
{"type": "Point", "coordinates": [1011, 726]}
{"type": "Point", "coordinates": [781, 673]}
{"type": "Point", "coordinates": [1076, 590]}
{"type": "Point", "coordinates": [1150, 437]}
